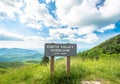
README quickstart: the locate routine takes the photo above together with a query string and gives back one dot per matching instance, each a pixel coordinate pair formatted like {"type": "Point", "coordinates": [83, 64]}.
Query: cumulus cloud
{"type": "Point", "coordinates": [76, 13]}
{"type": "Point", "coordinates": [8, 8]}
{"type": "Point", "coordinates": [82, 17]}
{"type": "Point", "coordinates": [12, 40]}
{"type": "Point", "coordinates": [85, 12]}
{"type": "Point", "coordinates": [34, 25]}
{"type": "Point", "coordinates": [111, 9]}
{"type": "Point", "coordinates": [109, 27]}
{"type": "Point", "coordinates": [89, 38]}
{"type": "Point", "coordinates": [74, 34]}
{"type": "Point", "coordinates": [10, 36]}
{"type": "Point", "coordinates": [70, 31]}
{"type": "Point", "coordinates": [21, 44]}
{"type": "Point", "coordinates": [30, 12]}
{"type": "Point", "coordinates": [36, 14]}
{"type": "Point", "coordinates": [88, 17]}
{"type": "Point", "coordinates": [5, 35]}
{"type": "Point", "coordinates": [72, 13]}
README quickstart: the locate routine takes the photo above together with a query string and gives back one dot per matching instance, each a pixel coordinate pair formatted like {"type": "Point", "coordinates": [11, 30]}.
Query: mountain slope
{"type": "Point", "coordinates": [16, 51]}
{"type": "Point", "coordinates": [16, 54]}
{"type": "Point", "coordinates": [110, 46]}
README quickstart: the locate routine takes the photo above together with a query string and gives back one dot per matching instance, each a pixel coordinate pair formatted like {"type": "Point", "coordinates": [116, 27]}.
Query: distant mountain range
{"type": "Point", "coordinates": [16, 54]}
{"type": "Point", "coordinates": [110, 46]}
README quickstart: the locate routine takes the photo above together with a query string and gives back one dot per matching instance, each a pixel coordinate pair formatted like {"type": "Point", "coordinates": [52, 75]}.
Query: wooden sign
{"type": "Point", "coordinates": [60, 49]}
{"type": "Point", "coordinates": [52, 49]}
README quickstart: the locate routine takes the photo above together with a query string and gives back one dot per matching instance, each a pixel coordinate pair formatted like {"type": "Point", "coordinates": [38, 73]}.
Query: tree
{"type": "Point", "coordinates": [45, 60]}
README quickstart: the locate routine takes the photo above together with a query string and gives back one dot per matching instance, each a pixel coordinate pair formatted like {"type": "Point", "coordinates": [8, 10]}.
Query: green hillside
{"type": "Point", "coordinates": [106, 69]}
{"type": "Point", "coordinates": [110, 46]}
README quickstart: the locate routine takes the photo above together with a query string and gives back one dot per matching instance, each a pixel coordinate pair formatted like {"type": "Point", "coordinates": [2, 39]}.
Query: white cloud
{"type": "Point", "coordinates": [21, 44]}
{"type": "Point", "coordinates": [80, 13]}
{"type": "Point", "coordinates": [30, 12]}
{"type": "Point", "coordinates": [22, 37]}
{"type": "Point", "coordinates": [12, 40]}
{"type": "Point", "coordinates": [9, 34]}
{"type": "Point", "coordinates": [72, 13]}
{"type": "Point", "coordinates": [48, 1]}
{"type": "Point", "coordinates": [34, 25]}
{"type": "Point", "coordinates": [86, 30]}
{"type": "Point", "coordinates": [11, 7]}
{"type": "Point", "coordinates": [69, 31]}
{"type": "Point", "coordinates": [111, 9]}
{"type": "Point", "coordinates": [85, 12]}
{"type": "Point", "coordinates": [89, 38]}
{"type": "Point", "coordinates": [85, 15]}
{"type": "Point", "coordinates": [35, 38]}
{"type": "Point", "coordinates": [84, 34]}
{"type": "Point", "coordinates": [36, 14]}
{"type": "Point", "coordinates": [76, 13]}
{"type": "Point", "coordinates": [109, 27]}
{"type": "Point", "coordinates": [66, 31]}
{"type": "Point", "coordinates": [69, 12]}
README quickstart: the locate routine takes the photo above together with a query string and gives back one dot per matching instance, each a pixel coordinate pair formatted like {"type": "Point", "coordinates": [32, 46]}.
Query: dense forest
{"type": "Point", "coordinates": [110, 46]}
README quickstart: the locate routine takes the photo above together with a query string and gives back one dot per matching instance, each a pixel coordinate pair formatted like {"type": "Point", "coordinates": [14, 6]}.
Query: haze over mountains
{"type": "Point", "coordinates": [16, 54]}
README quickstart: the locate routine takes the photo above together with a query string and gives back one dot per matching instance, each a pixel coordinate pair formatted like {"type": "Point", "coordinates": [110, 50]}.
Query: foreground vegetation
{"type": "Point", "coordinates": [106, 70]}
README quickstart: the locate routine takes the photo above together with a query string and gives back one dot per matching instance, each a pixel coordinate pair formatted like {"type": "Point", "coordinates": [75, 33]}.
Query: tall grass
{"type": "Point", "coordinates": [106, 70]}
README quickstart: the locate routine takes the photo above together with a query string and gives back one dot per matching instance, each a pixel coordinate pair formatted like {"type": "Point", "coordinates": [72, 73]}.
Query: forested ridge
{"type": "Point", "coordinates": [109, 47]}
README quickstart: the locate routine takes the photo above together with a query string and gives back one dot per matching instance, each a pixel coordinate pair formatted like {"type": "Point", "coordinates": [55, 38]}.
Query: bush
{"type": "Point", "coordinates": [45, 60]}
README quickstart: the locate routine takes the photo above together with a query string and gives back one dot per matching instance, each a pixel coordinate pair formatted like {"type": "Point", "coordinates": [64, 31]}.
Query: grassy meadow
{"type": "Point", "coordinates": [106, 70]}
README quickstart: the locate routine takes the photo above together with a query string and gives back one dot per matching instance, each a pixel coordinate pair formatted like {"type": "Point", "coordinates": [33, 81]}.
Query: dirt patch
{"type": "Point", "coordinates": [90, 82]}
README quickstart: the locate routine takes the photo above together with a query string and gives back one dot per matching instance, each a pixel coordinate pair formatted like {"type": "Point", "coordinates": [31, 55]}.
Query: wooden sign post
{"type": "Point", "coordinates": [68, 66]}
{"type": "Point", "coordinates": [52, 67]}
{"type": "Point", "coordinates": [53, 49]}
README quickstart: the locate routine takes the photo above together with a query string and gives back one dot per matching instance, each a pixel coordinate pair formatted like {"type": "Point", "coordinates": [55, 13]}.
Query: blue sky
{"type": "Point", "coordinates": [32, 23]}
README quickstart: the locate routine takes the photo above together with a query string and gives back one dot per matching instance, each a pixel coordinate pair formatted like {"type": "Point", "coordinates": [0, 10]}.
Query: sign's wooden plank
{"type": "Point", "coordinates": [60, 49]}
